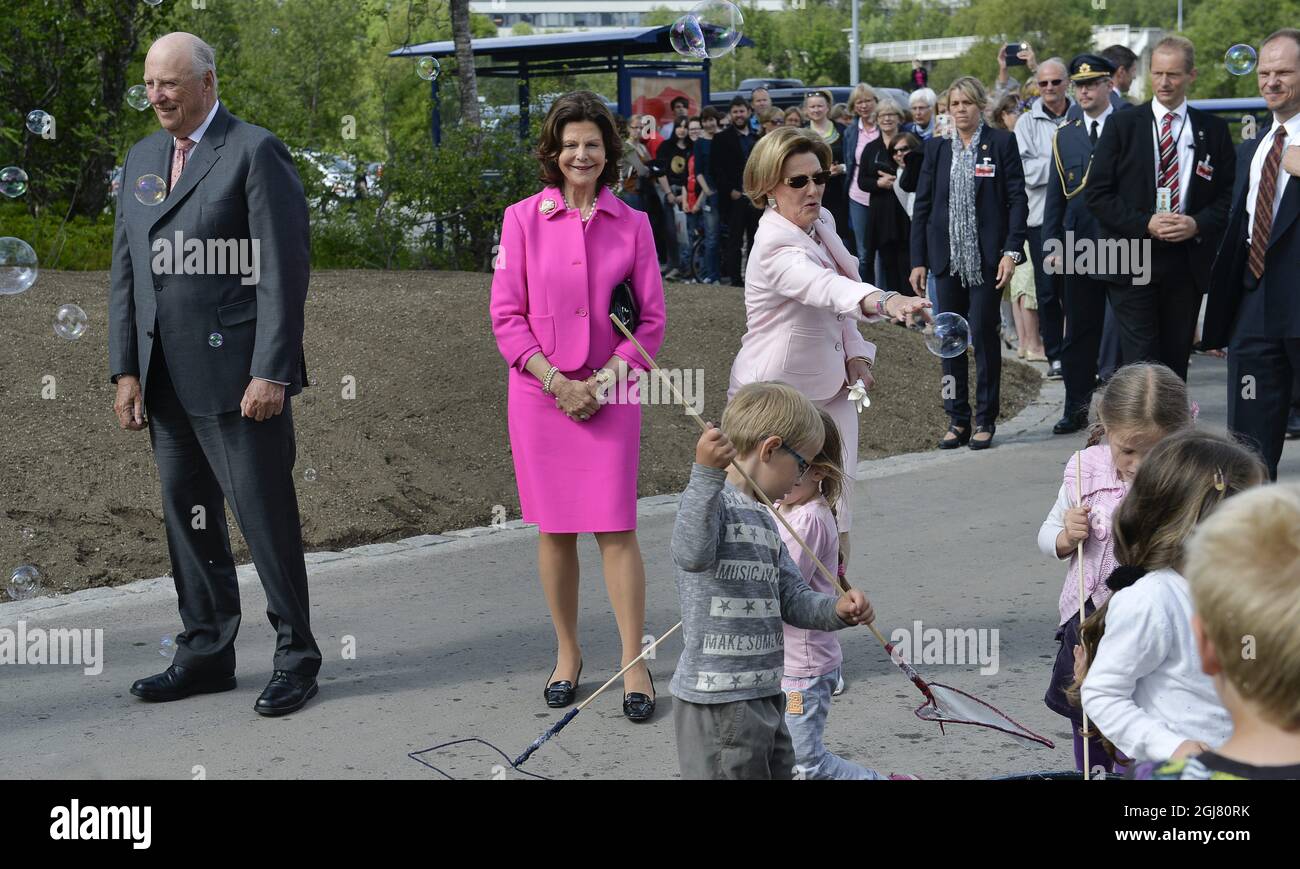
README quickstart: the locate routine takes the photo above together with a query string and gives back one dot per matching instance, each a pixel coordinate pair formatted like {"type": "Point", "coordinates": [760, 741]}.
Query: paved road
{"type": "Point", "coordinates": [453, 641]}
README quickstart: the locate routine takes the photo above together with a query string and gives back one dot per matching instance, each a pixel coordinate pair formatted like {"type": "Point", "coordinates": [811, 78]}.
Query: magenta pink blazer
{"type": "Point", "coordinates": [553, 281]}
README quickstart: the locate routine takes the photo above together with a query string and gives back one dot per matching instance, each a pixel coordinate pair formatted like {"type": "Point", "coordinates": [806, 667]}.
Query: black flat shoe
{"type": "Point", "coordinates": [1070, 423]}
{"type": "Point", "coordinates": [984, 444]}
{"type": "Point", "coordinates": [637, 706]}
{"type": "Point", "coordinates": [561, 694]}
{"type": "Point", "coordinates": [286, 692]}
{"type": "Point", "coordinates": [177, 683]}
{"type": "Point", "coordinates": [962, 437]}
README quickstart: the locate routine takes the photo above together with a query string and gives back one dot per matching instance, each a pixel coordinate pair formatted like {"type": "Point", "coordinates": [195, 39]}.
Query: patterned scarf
{"type": "Point", "coordinates": [962, 229]}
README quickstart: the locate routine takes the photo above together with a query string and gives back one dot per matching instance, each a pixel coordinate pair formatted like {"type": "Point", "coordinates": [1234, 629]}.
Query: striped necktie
{"type": "Point", "coordinates": [1263, 224]}
{"type": "Point", "coordinates": [1169, 161]}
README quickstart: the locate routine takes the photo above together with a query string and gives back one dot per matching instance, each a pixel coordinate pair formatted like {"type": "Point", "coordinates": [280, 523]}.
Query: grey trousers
{"type": "Point", "coordinates": [745, 739]}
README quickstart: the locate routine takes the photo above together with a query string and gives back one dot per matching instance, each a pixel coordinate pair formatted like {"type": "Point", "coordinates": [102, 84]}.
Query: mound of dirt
{"type": "Point", "coordinates": [403, 431]}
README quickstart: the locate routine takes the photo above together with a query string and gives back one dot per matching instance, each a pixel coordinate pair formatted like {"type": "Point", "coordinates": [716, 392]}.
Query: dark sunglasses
{"type": "Point", "coordinates": [799, 182]}
{"type": "Point", "coordinates": [1056, 82]}
{"type": "Point", "coordinates": [800, 462]}
{"type": "Point", "coordinates": [900, 150]}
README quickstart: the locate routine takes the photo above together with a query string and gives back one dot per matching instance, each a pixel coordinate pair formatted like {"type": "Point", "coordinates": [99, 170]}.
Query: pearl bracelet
{"type": "Point", "coordinates": [546, 381]}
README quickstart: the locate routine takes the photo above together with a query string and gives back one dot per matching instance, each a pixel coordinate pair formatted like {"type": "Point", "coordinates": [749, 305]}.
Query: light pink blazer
{"type": "Point", "coordinates": [801, 309]}
{"type": "Point", "coordinates": [552, 284]}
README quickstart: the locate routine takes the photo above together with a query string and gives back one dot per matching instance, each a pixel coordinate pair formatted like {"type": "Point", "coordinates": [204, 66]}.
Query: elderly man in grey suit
{"type": "Point", "coordinates": [206, 320]}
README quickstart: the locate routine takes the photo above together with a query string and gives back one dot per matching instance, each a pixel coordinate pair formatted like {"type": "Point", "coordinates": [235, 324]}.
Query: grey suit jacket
{"type": "Point", "coordinates": [239, 190]}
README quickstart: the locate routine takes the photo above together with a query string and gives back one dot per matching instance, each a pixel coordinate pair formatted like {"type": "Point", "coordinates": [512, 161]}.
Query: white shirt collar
{"type": "Point", "coordinates": [1100, 119]}
{"type": "Point", "coordinates": [1292, 128]}
{"type": "Point", "coordinates": [1160, 110]}
{"type": "Point", "coordinates": [203, 127]}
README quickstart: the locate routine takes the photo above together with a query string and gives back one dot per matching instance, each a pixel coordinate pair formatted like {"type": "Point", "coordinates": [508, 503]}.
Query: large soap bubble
{"type": "Point", "coordinates": [17, 266]}
{"type": "Point", "coordinates": [150, 189]}
{"type": "Point", "coordinates": [951, 335]}
{"type": "Point", "coordinates": [137, 97]}
{"type": "Point", "coordinates": [13, 181]}
{"type": "Point", "coordinates": [1240, 59]}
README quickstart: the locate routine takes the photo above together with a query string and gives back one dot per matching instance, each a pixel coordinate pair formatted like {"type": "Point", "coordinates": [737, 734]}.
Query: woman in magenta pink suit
{"type": "Point", "coordinates": [563, 251]}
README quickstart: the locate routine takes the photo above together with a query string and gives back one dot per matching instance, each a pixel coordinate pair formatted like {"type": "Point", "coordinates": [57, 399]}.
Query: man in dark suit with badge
{"type": "Point", "coordinates": [1254, 304]}
{"type": "Point", "coordinates": [1067, 223]}
{"type": "Point", "coordinates": [1161, 184]}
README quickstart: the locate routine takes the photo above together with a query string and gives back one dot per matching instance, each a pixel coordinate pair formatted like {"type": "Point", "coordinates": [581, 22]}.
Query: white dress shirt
{"type": "Point", "coordinates": [1186, 147]}
{"type": "Point", "coordinates": [1257, 169]}
{"type": "Point", "coordinates": [1145, 690]}
{"type": "Point", "coordinates": [1100, 121]}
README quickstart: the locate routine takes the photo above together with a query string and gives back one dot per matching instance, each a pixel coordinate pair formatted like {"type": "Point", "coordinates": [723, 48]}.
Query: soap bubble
{"type": "Point", "coordinates": [721, 23]}
{"type": "Point", "coordinates": [154, 2]}
{"type": "Point", "coordinates": [24, 582]}
{"type": "Point", "coordinates": [29, 534]}
{"type": "Point", "coordinates": [13, 181]}
{"type": "Point", "coordinates": [38, 121]}
{"type": "Point", "coordinates": [137, 97]}
{"type": "Point", "coordinates": [167, 647]}
{"type": "Point", "coordinates": [215, 340]}
{"type": "Point", "coordinates": [1240, 59]}
{"type": "Point", "coordinates": [69, 322]}
{"type": "Point", "coordinates": [17, 266]}
{"type": "Point", "coordinates": [275, 31]}
{"type": "Point", "coordinates": [951, 335]}
{"type": "Point", "coordinates": [428, 68]}
{"type": "Point", "coordinates": [150, 189]}
{"type": "Point", "coordinates": [309, 475]}
{"type": "Point", "coordinates": [686, 37]}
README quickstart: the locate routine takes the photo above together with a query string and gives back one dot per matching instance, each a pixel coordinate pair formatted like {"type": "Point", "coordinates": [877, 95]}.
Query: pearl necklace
{"type": "Point", "coordinates": [585, 217]}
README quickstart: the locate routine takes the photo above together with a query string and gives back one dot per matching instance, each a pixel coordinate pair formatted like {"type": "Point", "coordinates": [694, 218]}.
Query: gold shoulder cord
{"type": "Point", "coordinates": [1056, 154]}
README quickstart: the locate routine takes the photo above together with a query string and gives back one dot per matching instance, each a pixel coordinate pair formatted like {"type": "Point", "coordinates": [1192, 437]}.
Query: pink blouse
{"type": "Point", "coordinates": [861, 197]}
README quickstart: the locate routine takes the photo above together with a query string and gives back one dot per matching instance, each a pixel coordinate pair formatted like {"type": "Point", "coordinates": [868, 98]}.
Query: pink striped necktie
{"type": "Point", "coordinates": [1169, 161]}
{"type": "Point", "coordinates": [182, 150]}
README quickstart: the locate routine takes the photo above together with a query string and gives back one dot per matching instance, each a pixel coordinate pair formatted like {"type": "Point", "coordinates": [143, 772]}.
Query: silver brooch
{"type": "Point", "coordinates": [547, 206]}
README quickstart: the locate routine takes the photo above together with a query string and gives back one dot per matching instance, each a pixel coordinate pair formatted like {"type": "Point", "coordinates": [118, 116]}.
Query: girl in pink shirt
{"type": "Point", "coordinates": [812, 658]}
{"type": "Point", "coordinates": [1140, 406]}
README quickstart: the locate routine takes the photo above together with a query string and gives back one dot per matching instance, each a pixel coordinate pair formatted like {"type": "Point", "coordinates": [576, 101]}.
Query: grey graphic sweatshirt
{"type": "Point", "coordinates": [736, 584]}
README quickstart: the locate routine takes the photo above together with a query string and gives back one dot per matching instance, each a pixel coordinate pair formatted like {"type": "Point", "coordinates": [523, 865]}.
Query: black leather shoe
{"type": "Point", "coordinates": [1070, 423]}
{"type": "Point", "coordinates": [561, 694]}
{"type": "Point", "coordinates": [286, 692]}
{"type": "Point", "coordinates": [962, 437]}
{"type": "Point", "coordinates": [1054, 370]}
{"type": "Point", "coordinates": [637, 706]}
{"type": "Point", "coordinates": [986, 443]}
{"type": "Point", "coordinates": [177, 683]}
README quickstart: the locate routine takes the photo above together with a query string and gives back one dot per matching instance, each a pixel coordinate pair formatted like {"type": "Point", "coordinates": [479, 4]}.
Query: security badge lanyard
{"type": "Point", "coordinates": [1164, 195]}
{"type": "Point", "coordinates": [986, 168]}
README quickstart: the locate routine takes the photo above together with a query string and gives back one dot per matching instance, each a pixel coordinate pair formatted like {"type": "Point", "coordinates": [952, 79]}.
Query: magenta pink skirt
{"type": "Point", "coordinates": [573, 477]}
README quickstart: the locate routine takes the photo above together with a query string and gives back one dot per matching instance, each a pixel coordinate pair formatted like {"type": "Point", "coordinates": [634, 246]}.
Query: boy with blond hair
{"type": "Point", "coordinates": [737, 583]}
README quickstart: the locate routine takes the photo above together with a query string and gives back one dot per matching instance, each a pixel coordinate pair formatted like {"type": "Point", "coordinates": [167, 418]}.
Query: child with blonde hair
{"type": "Point", "coordinates": [737, 584]}
{"type": "Point", "coordinates": [1144, 688]}
{"type": "Point", "coordinates": [1243, 566]}
{"type": "Point", "coordinates": [1138, 407]}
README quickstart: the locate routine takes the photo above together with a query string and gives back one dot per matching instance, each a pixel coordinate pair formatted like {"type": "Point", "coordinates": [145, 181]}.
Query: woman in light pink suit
{"type": "Point", "coordinates": [803, 299]}
{"type": "Point", "coordinates": [563, 251]}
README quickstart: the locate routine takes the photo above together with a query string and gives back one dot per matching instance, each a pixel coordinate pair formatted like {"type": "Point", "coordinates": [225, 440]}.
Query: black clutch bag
{"type": "Point", "coordinates": [623, 305]}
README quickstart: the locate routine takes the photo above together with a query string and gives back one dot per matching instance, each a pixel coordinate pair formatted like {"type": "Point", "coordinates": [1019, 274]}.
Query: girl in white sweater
{"type": "Point", "coordinates": [1144, 687]}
